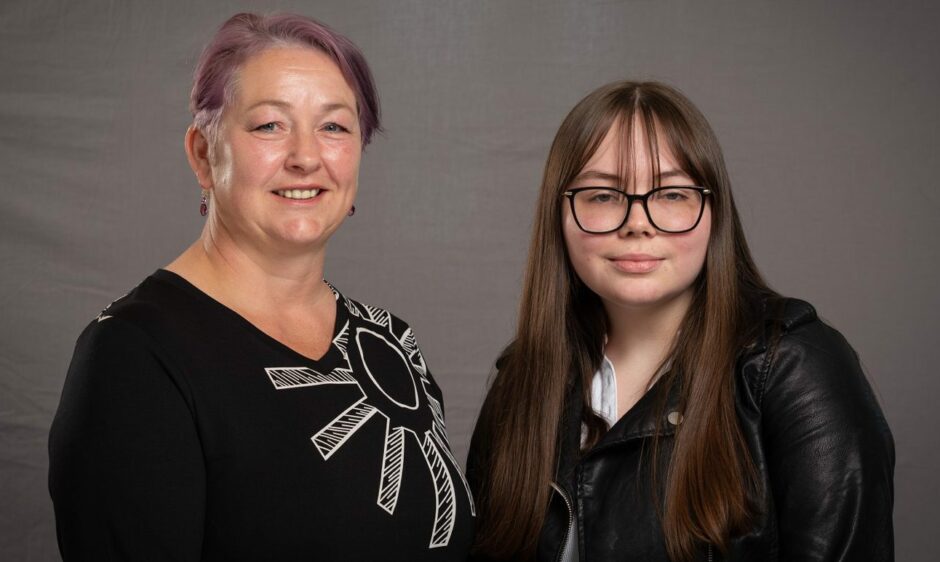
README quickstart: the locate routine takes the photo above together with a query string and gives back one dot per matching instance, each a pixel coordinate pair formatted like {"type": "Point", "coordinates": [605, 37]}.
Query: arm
{"type": "Point", "coordinates": [829, 451]}
{"type": "Point", "coordinates": [126, 472]}
{"type": "Point", "coordinates": [477, 469]}
{"type": "Point", "coordinates": [478, 454]}
{"type": "Point", "coordinates": [475, 458]}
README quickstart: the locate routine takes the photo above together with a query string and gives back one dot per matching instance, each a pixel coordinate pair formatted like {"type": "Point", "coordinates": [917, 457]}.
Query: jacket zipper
{"type": "Point", "coordinates": [709, 553]}
{"type": "Point", "coordinates": [564, 543]}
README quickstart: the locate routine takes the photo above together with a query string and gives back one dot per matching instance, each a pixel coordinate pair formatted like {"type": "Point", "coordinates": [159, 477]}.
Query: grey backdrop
{"type": "Point", "coordinates": [828, 114]}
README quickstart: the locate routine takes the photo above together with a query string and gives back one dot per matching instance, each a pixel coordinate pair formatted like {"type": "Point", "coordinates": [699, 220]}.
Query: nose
{"type": "Point", "coordinates": [637, 223]}
{"type": "Point", "coordinates": [304, 153]}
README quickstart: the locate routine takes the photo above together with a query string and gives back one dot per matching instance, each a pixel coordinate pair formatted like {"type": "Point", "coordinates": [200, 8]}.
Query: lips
{"type": "Point", "coordinates": [636, 263]}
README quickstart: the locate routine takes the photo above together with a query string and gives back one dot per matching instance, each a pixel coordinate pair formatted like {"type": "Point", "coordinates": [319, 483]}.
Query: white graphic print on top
{"type": "Point", "coordinates": [372, 328]}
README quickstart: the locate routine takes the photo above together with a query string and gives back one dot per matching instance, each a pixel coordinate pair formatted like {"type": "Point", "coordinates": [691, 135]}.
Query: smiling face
{"type": "Point", "coordinates": [636, 266]}
{"type": "Point", "coordinates": [284, 170]}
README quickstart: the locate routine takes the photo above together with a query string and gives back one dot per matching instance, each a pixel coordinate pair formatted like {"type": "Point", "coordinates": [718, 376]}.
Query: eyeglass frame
{"type": "Point", "coordinates": [570, 194]}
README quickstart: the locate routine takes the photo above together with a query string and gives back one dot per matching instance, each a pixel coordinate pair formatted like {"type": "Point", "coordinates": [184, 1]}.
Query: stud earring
{"type": "Point", "coordinates": [204, 203]}
{"type": "Point", "coordinates": [352, 211]}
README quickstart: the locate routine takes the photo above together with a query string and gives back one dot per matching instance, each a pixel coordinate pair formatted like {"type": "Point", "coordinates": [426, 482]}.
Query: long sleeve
{"type": "Point", "coordinates": [476, 472]}
{"type": "Point", "coordinates": [830, 452]}
{"type": "Point", "coordinates": [126, 469]}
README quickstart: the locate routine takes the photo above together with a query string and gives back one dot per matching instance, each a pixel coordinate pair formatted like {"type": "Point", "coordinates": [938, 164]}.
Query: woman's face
{"type": "Point", "coordinates": [286, 163]}
{"type": "Point", "coordinates": [636, 266]}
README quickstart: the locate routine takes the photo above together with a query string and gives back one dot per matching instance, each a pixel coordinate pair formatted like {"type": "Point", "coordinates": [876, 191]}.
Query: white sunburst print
{"type": "Point", "coordinates": [369, 326]}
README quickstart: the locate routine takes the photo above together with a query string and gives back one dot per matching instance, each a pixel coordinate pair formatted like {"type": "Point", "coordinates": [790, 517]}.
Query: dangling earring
{"type": "Point", "coordinates": [352, 211]}
{"type": "Point", "coordinates": [204, 203]}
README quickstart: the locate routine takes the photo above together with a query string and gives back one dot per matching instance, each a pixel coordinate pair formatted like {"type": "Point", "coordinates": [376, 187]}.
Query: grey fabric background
{"type": "Point", "coordinates": [828, 114]}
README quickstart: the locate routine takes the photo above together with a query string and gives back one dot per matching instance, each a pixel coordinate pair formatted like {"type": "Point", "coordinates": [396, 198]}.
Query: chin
{"type": "Point", "coordinates": [304, 234]}
{"type": "Point", "coordinates": [640, 297]}
{"type": "Point", "coordinates": [304, 227]}
{"type": "Point", "coordinates": [634, 301]}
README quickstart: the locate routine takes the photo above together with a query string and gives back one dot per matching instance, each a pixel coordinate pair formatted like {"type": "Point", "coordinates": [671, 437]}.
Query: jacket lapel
{"type": "Point", "coordinates": [642, 421]}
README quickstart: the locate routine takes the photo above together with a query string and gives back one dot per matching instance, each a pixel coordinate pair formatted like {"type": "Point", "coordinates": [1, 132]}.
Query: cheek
{"type": "Point", "coordinates": [262, 158]}
{"type": "Point", "coordinates": [247, 163]}
{"type": "Point", "coordinates": [581, 243]}
{"type": "Point", "coordinates": [222, 166]}
{"type": "Point", "coordinates": [343, 161]}
{"type": "Point", "coordinates": [694, 246]}
{"type": "Point", "coordinates": [582, 248]}
{"type": "Point", "coordinates": [573, 242]}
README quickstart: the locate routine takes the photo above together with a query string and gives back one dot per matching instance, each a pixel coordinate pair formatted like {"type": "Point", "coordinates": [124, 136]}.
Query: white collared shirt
{"type": "Point", "coordinates": [604, 389]}
{"type": "Point", "coordinates": [604, 392]}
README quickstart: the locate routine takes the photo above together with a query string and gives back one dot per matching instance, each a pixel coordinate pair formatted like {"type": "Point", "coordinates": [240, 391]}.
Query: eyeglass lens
{"type": "Point", "coordinates": [669, 209]}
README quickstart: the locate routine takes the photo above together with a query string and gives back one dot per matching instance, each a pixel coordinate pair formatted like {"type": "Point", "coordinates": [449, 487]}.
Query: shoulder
{"type": "Point", "coordinates": [154, 307]}
{"type": "Point", "coordinates": [783, 329]}
{"type": "Point", "coordinates": [378, 319]}
{"type": "Point", "coordinates": [776, 316]}
{"type": "Point", "coordinates": [120, 371]}
{"type": "Point", "coordinates": [146, 326]}
{"type": "Point", "coordinates": [797, 345]}
{"type": "Point", "coordinates": [792, 342]}
{"type": "Point", "coordinates": [378, 316]}
{"type": "Point", "coordinates": [807, 373]}
{"type": "Point", "coordinates": [817, 431]}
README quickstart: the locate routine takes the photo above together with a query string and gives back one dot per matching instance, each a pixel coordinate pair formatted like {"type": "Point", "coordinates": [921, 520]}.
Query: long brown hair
{"type": "Point", "coordinates": [561, 328]}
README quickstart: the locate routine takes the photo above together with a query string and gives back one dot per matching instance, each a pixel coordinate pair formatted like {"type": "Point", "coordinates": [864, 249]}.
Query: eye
{"type": "Point", "coordinates": [267, 127]}
{"type": "Point", "coordinates": [675, 195]}
{"type": "Point", "coordinates": [602, 196]}
{"type": "Point", "coordinates": [335, 128]}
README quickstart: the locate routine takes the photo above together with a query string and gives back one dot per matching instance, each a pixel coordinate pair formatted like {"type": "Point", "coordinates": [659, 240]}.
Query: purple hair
{"type": "Point", "coordinates": [246, 34]}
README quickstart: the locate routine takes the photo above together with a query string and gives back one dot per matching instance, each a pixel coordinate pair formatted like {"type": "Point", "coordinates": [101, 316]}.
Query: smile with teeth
{"type": "Point", "coordinates": [298, 193]}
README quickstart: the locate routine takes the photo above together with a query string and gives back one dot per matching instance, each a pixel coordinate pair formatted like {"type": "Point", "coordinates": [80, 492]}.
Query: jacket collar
{"type": "Point", "coordinates": [640, 422]}
{"type": "Point", "coordinates": [779, 315]}
{"type": "Point", "coordinates": [642, 419]}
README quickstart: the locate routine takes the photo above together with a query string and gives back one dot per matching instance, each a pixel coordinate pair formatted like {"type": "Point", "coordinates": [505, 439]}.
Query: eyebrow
{"type": "Point", "coordinates": [672, 174]}
{"type": "Point", "coordinates": [597, 175]}
{"type": "Point", "coordinates": [613, 178]}
{"type": "Point", "coordinates": [285, 105]}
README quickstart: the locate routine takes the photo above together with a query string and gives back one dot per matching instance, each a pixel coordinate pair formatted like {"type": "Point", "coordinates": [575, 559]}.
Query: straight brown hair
{"type": "Point", "coordinates": [560, 334]}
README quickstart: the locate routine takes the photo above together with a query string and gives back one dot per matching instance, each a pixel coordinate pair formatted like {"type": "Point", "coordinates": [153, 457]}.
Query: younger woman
{"type": "Point", "coordinates": [659, 401]}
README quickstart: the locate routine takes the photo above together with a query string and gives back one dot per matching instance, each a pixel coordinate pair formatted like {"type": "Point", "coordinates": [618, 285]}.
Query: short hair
{"type": "Point", "coordinates": [246, 34]}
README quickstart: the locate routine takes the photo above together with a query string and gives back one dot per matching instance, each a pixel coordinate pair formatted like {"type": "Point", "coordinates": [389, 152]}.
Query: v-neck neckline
{"type": "Point", "coordinates": [330, 359]}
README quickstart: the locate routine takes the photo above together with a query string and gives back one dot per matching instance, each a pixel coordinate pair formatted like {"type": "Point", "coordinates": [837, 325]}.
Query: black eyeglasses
{"type": "Point", "coordinates": [599, 210]}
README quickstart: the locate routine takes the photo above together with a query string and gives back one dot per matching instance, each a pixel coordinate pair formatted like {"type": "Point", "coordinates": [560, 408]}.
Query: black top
{"type": "Point", "coordinates": [820, 446]}
{"type": "Point", "coordinates": [185, 433]}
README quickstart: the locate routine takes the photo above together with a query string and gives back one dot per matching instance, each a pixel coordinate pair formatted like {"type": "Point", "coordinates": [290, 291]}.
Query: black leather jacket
{"type": "Point", "coordinates": [822, 448]}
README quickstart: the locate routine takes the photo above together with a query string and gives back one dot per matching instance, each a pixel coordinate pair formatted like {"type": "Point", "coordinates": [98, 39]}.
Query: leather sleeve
{"type": "Point", "coordinates": [477, 462]}
{"type": "Point", "coordinates": [478, 454]}
{"type": "Point", "coordinates": [829, 450]}
{"type": "Point", "coordinates": [126, 471]}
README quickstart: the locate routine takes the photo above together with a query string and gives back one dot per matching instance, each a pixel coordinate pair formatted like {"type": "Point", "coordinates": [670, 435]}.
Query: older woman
{"type": "Point", "coordinates": [234, 405]}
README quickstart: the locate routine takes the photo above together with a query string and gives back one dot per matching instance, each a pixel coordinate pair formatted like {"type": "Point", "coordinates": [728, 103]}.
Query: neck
{"type": "Point", "coordinates": [250, 278]}
{"type": "Point", "coordinates": [644, 331]}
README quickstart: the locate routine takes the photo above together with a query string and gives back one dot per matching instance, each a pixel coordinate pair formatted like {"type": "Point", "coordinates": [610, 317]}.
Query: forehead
{"type": "Point", "coordinates": [296, 73]}
{"type": "Point", "coordinates": [616, 154]}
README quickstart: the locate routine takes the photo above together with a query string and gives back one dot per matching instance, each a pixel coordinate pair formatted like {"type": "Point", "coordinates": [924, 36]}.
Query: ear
{"type": "Point", "coordinates": [197, 152]}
